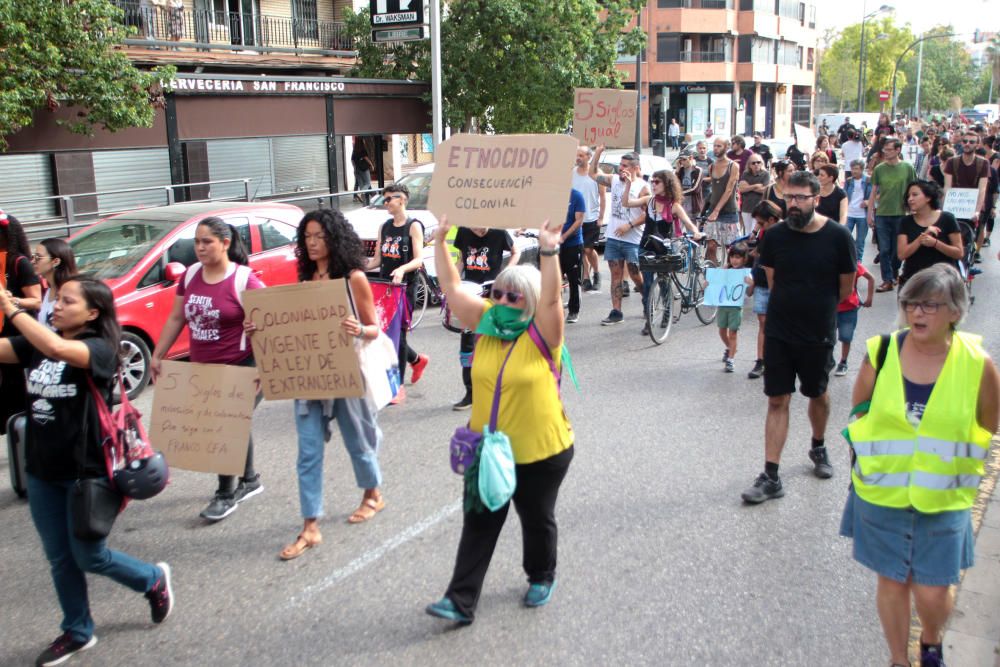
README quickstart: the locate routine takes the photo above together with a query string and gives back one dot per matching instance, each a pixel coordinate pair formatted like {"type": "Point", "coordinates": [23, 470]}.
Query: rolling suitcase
{"type": "Point", "coordinates": [15, 453]}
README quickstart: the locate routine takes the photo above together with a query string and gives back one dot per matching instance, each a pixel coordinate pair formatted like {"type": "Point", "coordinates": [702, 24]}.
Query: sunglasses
{"type": "Point", "coordinates": [969, 141]}
{"type": "Point", "coordinates": [655, 180]}
{"type": "Point", "coordinates": [512, 297]}
{"type": "Point", "coordinates": [391, 197]}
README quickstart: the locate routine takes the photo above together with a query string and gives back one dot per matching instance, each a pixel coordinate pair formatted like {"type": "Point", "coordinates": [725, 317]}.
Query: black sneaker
{"type": "Point", "coordinates": [587, 285]}
{"type": "Point", "coordinates": [725, 355]}
{"type": "Point", "coordinates": [597, 281]}
{"type": "Point", "coordinates": [977, 258]}
{"type": "Point", "coordinates": [572, 318]}
{"type": "Point", "coordinates": [645, 329]}
{"type": "Point", "coordinates": [62, 649]}
{"type": "Point", "coordinates": [161, 596]}
{"type": "Point", "coordinates": [841, 369]}
{"type": "Point", "coordinates": [757, 370]}
{"type": "Point", "coordinates": [614, 317]}
{"type": "Point", "coordinates": [821, 461]}
{"type": "Point", "coordinates": [248, 488]}
{"type": "Point", "coordinates": [625, 288]}
{"type": "Point", "coordinates": [986, 242]}
{"type": "Point", "coordinates": [931, 655]}
{"type": "Point", "coordinates": [221, 506]}
{"type": "Point", "coordinates": [465, 403]}
{"type": "Point", "coordinates": [764, 488]}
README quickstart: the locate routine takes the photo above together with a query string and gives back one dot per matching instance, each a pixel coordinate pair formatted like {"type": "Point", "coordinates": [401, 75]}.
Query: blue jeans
{"type": "Point", "coordinates": [70, 559]}
{"type": "Point", "coordinates": [648, 278]}
{"type": "Point", "coordinates": [887, 229]}
{"type": "Point", "coordinates": [362, 438]}
{"type": "Point", "coordinates": [859, 227]}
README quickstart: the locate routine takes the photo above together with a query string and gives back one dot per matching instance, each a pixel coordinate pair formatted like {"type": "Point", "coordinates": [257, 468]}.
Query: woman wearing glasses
{"type": "Point", "coordinates": [54, 261]}
{"type": "Point", "coordinates": [753, 186]}
{"type": "Point", "coordinates": [929, 397]}
{"type": "Point", "coordinates": [530, 413]}
{"type": "Point", "coordinates": [928, 235]}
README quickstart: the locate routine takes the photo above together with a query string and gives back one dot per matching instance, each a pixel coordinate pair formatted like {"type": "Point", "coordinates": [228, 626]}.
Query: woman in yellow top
{"type": "Point", "coordinates": [918, 458]}
{"type": "Point", "coordinates": [530, 414]}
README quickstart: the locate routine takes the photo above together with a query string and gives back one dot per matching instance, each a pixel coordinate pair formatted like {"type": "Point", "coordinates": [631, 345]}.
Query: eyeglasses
{"type": "Point", "coordinates": [391, 197]}
{"type": "Point", "coordinates": [35, 257]}
{"type": "Point", "coordinates": [512, 297]}
{"type": "Point", "coordinates": [798, 198]}
{"type": "Point", "coordinates": [929, 307]}
{"type": "Point", "coordinates": [756, 162]}
{"type": "Point", "coordinates": [970, 141]}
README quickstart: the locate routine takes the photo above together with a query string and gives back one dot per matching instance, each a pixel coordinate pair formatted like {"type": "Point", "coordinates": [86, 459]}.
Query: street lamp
{"type": "Point", "coordinates": [895, 69]}
{"type": "Point", "coordinates": [884, 9]}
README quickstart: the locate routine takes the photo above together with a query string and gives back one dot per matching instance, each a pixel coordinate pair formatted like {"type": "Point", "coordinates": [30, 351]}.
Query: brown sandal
{"type": "Point", "coordinates": [299, 547]}
{"type": "Point", "coordinates": [369, 508]}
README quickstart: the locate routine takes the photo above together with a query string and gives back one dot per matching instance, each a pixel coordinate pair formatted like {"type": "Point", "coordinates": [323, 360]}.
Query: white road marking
{"type": "Point", "coordinates": [370, 557]}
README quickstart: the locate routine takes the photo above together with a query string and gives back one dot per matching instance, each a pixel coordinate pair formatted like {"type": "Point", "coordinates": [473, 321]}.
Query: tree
{"type": "Point", "coordinates": [947, 72]}
{"type": "Point", "coordinates": [512, 65]}
{"type": "Point", "coordinates": [381, 60]}
{"type": "Point", "coordinates": [62, 53]}
{"type": "Point", "coordinates": [884, 41]}
{"type": "Point", "coordinates": [838, 72]}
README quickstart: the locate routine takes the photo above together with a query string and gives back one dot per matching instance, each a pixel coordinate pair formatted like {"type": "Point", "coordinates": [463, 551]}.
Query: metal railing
{"type": "Point", "coordinates": [72, 219]}
{"type": "Point", "coordinates": [695, 4]}
{"type": "Point", "coordinates": [206, 28]}
{"type": "Point", "coordinates": [326, 199]}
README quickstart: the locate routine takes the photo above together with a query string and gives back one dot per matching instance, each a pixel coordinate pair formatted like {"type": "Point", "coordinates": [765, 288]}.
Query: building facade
{"type": "Point", "coordinates": [726, 67]}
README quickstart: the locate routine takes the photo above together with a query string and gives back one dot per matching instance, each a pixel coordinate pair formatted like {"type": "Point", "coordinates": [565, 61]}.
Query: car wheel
{"type": "Point", "coordinates": [135, 365]}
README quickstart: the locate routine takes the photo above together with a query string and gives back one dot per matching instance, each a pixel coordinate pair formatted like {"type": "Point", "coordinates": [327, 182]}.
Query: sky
{"type": "Point", "coordinates": [964, 15]}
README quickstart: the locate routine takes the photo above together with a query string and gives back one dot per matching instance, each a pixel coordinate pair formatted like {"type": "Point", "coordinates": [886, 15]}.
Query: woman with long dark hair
{"type": "Point", "coordinates": [22, 286]}
{"type": "Point", "coordinates": [63, 439]}
{"type": "Point", "coordinates": [783, 169]}
{"type": "Point", "coordinates": [329, 249]}
{"type": "Point", "coordinates": [54, 261]}
{"type": "Point", "coordinates": [209, 303]}
{"type": "Point", "coordinates": [927, 235]}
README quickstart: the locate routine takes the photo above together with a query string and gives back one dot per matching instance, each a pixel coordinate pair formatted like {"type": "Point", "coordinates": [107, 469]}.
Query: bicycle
{"type": "Point", "coordinates": [666, 287]}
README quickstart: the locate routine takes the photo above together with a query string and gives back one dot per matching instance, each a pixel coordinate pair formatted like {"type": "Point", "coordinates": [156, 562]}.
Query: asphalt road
{"type": "Point", "coordinates": [659, 561]}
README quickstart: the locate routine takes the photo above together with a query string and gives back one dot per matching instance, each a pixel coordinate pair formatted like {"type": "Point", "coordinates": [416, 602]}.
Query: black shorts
{"type": "Point", "coordinates": [784, 361]}
{"type": "Point", "coordinates": [591, 232]}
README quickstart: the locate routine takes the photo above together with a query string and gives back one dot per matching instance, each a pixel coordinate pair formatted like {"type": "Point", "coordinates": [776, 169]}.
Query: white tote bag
{"type": "Point", "coordinates": [380, 368]}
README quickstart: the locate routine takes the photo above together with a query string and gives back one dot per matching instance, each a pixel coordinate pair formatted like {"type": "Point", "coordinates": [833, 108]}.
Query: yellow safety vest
{"type": "Point", "coordinates": [936, 466]}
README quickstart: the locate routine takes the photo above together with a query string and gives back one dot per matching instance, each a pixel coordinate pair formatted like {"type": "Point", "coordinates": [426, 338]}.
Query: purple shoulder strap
{"type": "Point", "coordinates": [536, 336]}
{"type": "Point", "coordinates": [495, 410]}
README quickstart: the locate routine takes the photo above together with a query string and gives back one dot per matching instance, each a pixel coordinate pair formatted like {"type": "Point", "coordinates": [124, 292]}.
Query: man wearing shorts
{"type": "Point", "coordinates": [810, 262]}
{"type": "Point", "coordinates": [723, 216]}
{"type": "Point", "coordinates": [621, 248]}
{"type": "Point", "coordinates": [593, 195]}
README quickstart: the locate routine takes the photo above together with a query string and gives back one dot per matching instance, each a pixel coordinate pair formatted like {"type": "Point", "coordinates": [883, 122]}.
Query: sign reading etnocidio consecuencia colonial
{"type": "Point", "coordinates": [511, 181]}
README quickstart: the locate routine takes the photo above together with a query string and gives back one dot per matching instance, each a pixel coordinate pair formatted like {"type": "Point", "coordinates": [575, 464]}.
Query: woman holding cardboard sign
{"type": "Point", "coordinates": [329, 249]}
{"type": "Point", "coordinates": [209, 303]}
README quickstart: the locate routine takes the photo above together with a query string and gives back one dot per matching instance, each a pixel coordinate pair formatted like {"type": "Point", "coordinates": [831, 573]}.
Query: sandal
{"type": "Point", "coordinates": [369, 507]}
{"type": "Point", "coordinates": [884, 287]}
{"type": "Point", "coordinates": [299, 547]}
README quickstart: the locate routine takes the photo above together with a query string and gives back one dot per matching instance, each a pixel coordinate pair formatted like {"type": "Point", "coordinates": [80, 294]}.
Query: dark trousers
{"type": "Point", "coordinates": [465, 349]}
{"type": "Point", "coordinates": [406, 353]}
{"type": "Point", "coordinates": [535, 501]}
{"type": "Point", "coordinates": [569, 262]}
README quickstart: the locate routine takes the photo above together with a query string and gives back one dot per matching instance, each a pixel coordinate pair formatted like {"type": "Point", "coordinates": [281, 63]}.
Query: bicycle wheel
{"type": "Point", "coordinates": [421, 295]}
{"type": "Point", "coordinates": [699, 281]}
{"type": "Point", "coordinates": [659, 307]}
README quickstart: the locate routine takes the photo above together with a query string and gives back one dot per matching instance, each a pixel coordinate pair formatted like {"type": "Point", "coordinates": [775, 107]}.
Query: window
{"type": "Point", "coordinates": [305, 18]}
{"type": "Point", "coordinates": [668, 47]}
{"type": "Point", "coordinates": [801, 105]}
{"type": "Point", "coordinates": [275, 234]}
{"type": "Point", "coordinates": [755, 50]}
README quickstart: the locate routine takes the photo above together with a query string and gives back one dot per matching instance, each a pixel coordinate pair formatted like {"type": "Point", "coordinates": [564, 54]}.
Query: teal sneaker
{"type": "Point", "coordinates": [445, 608]}
{"type": "Point", "coordinates": [539, 594]}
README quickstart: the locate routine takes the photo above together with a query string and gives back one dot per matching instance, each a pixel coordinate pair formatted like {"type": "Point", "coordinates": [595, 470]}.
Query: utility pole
{"type": "Point", "coordinates": [920, 67]}
{"type": "Point", "coordinates": [436, 111]}
{"type": "Point", "coordinates": [638, 88]}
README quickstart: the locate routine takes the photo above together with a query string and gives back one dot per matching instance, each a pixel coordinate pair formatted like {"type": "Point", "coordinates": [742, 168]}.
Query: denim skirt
{"type": "Point", "coordinates": [901, 544]}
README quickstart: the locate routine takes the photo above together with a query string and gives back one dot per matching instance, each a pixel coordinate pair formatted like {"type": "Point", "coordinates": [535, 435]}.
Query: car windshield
{"type": "Point", "coordinates": [112, 248]}
{"type": "Point", "coordinates": [419, 186]}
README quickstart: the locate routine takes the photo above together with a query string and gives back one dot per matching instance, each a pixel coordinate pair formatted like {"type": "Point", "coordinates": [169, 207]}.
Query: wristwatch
{"type": "Point", "coordinates": [549, 253]}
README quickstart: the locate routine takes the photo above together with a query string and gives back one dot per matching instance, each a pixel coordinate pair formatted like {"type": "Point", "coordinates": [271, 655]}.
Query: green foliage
{"type": "Point", "coordinates": [511, 65]}
{"type": "Point", "coordinates": [880, 58]}
{"type": "Point", "coordinates": [948, 73]}
{"type": "Point", "coordinates": [61, 53]}
{"type": "Point", "coordinates": [838, 73]}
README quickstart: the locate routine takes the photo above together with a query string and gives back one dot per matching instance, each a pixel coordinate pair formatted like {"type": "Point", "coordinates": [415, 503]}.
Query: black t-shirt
{"type": "Point", "coordinates": [18, 274]}
{"type": "Point", "coordinates": [396, 247]}
{"type": "Point", "coordinates": [57, 396]}
{"type": "Point", "coordinates": [482, 256]}
{"type": "Point", "coordinates": [830, 204]}
{"type": "Point", "coordinates": [807, 267]}
{"type": "Point", "coordinates": [924, 256]}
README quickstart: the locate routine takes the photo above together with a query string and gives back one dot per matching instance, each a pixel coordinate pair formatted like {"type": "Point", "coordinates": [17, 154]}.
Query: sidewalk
{"type": "Point", "coordinates": [973, 635]}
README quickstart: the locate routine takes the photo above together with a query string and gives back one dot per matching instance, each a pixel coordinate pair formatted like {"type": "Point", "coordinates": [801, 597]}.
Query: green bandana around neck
{"type": "Point", "coordinates": [503, 322]}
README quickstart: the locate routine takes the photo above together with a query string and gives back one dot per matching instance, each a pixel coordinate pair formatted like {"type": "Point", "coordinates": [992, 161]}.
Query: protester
{"type": "Point", "coordinates": [766, 215]}
{"type": "Point", "coordinates": [832, 198]}
{"type": "Point", "coordinates": [886, 207]}
{"type": "Point", "coordinates": [54, 261]}
{"type": "Point", "coordinates": [703, 160]}
{"type": "Point", "coordinates": [512, 364]}
{"type": "Point", "coordinates": [858, 189]}
{"type": "Point", "coordinates": [22, 286]}
{"type": "Point", "coordinates": [728, 318]}
{"type": "Point", "coordinates": [329, 249]}
{"type": "Point", "coordinates": [928, 412]}
{"type": "Point", "coordinates": [570, 250]}
{"type": "Point", "coordinates": [209, 303]}
{"type": "Point", "coordinates": [399, 254]}
{"type": "Point", "coordinates": [973, 172]}
{"type": "Point", "coordinates": [363, 169]}
{"type": "Point", "coordinates": [674, 133]}
{"type": "Point", "coordinates": [847, 316]}
{"type": "Point", "coordinates": [752, 186]}
{"type": "Point", "coordinates": [783, 170]}
{"type": "Point", "coordinates": [818, 159]}
{"type": "Point", "coordinates": [823, 145]}
{"type": "Point", "coordinates": [795, 155]}
{"type": "Point", "coordinates": [723, 215]}
{"type": "Point", "coordinates": [927, 235]}
{"type": "Point", "coordinates": [739, 152]}
{"type": "Point", "coordinates": [63, 445]}
{"type": "Point", "coordinates": [762, 149]}
{"type": "Point", "coordinates": [690, 176]}
{"type": "Point", "coordinates": [852, 149]}
{"type": "Point", "coordinates": [844, 131]}
{"type": "Point", "coordinates": [593, 195]}
{"type": "Point", "coordinates": [809, 262]}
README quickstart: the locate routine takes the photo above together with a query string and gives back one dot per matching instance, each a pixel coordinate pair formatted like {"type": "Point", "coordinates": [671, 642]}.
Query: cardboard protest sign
{"type": "Point", "coordinates": [300, 347]}
{"type": "Point", "coordinates": [961, 202]}
{"type": "Point", "coordinates": [604, 116]}
{"type": "Point", "coordinates": [805, 139]}
{"type": "Point", "coordinates": [509, 181]}
{"type": "Point", "coordinates": [726, 287]}
{"type": "Point", "coordinates": [202, 415]}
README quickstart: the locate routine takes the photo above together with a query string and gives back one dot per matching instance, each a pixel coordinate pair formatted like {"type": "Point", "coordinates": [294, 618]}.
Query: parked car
{"type": "Point", "coordinates": [142, 255]}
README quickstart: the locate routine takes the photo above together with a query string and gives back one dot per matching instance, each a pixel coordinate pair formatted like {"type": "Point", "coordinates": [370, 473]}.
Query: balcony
{"type": "Point", "coordinates": [704, 57]}
{"type": "Point", "coordinates": [695, 4]}
{"type": "Point", "coordinates": [211, 30]}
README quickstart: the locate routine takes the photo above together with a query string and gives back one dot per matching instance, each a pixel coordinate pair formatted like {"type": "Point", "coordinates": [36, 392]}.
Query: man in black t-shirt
{"type": "Point", "coordinates": [480, 258]}
{"type": "Point", "coordinates": [810, 263]}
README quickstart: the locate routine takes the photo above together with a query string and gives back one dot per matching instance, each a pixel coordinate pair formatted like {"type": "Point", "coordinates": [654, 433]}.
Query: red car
{"type": "Point", "coordinates": [142, 254]}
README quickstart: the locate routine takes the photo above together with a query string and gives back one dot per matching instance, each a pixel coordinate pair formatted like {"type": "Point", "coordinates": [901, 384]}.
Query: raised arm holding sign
{"type": "Point", "coordinates": [604, 116]}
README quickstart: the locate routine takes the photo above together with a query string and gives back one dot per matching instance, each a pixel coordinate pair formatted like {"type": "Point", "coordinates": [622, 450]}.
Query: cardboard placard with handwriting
{"type": "Point", "coordinates": [604, 116]}
{"type": "Point", "coordinates": [202, 414]}
{"type": "Point", "coordinates": [509, 180]}
{"type": "Point", "coordinates": [300, 348]}
{"type": "Point", "coordinates": [961, 202]}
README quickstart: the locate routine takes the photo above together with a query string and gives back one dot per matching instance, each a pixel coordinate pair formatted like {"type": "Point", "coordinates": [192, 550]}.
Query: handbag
{"type": "Point", "coordinates": [380, 369]}
{"type": "Point", "coordinates": [94, 505]}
